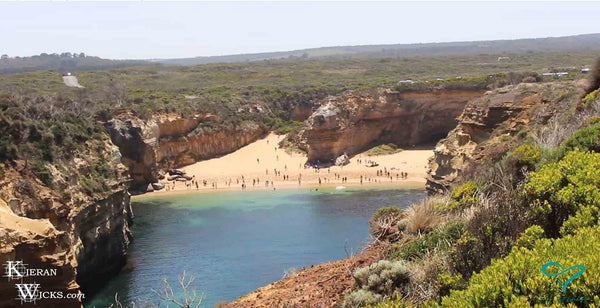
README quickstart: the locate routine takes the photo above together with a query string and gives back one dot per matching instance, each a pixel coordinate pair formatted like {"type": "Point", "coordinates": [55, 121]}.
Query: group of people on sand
{"type": "Point", "coordinates": [194, 183]}
{"type": "Point", "coordinates": [274, 174]}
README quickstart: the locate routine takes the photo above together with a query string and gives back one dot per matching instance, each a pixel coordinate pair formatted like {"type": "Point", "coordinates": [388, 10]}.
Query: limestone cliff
{"type": "Point", "coordinates": [489, 125]}
{"type": "Point", "coordinates": [352, 122]}
{"type": "Point", "coordinates": [83, 235]}
{"type": "Point", "coordinates": [170, 141]}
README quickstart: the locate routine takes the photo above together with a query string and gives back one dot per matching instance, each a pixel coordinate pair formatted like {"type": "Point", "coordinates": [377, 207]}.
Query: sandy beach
{"type": "Point", "coordinates": [263, 165]}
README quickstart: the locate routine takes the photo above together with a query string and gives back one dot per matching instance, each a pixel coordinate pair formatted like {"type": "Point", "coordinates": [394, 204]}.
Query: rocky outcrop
{"type": "Point", "coordinates": [352, 122]}
{"type": "Point", "coordinates": [170, 141]}
{"type": "Point", "coordinates": [489, 126]}
{"type": "Point", "coordinates": [322, 285]}
{"type": "Point", "coordinates": [302, 112]}
{"type": "Point", "coordinates": [83, 236]}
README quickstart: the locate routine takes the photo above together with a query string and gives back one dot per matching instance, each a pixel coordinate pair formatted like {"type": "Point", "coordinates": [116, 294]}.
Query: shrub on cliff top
{"type": "Point", "coordinates": [440, 238]}
{"type": "Point", "coordinates": [585, 139]}
{"type": "Point", "coordinates": [569, 187]}
{"type": "Point", "coordinates": [518, 276]}
{"type": "Point", "coordinates": [360, 298]}
{"type": "Point", "coordinates": [383, 277]}
{"type": "Point", "coordinates": [463, 196]}
{"type": "Point", "coordinates": [530, 236]}
{"type": "Point", "coordinates": [527, 154]}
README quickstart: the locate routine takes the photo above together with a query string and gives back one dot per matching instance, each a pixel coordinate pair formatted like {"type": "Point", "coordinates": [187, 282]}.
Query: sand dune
{"type": "Point", "coordinates": [259, 161]}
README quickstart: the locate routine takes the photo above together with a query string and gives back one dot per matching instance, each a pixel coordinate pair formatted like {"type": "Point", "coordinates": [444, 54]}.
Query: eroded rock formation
{"type": "Point", "coordinates": [352, 122]}
{"type": "Point", "coordinates": [169, 141]}
{"type": "Point", "coordinates": [488, 125]}
{"type": "Point", "coordinates": [83, 236]}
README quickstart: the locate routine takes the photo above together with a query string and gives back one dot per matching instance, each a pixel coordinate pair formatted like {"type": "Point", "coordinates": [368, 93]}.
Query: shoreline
{"type": "Point", "coordinates": [262, 165]}
{"type": "Point", "coordinates": [403, 184]}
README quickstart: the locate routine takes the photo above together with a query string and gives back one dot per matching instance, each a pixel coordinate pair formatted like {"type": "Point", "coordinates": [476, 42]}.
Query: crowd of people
{"type": "Point", "coordinates": [379, 176]}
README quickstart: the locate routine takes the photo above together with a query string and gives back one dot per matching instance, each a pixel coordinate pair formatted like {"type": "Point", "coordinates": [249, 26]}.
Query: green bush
{"type": "Point", "coordinates": [463, 196]}
{"type": "Point", "coordinates": [383, 149]}
{"type": "Point", "coordinates": [530, 236]}
{"type": "Point", "coordinates": [527, 155]}
{"type": "Point", "coordinates": [466, 256]}
{"type": "Point", "coordinates": [569, 187]}
{"type": "Point", "coordinates": [518, 276]}
{"type": "Point", "coordinates": [447, 282]}
{"type": "Point", "coordinates": [585, 139]}
{"type": "Point", "coordinates": [396, 302]}
{"type": "Point", "coordinates": [42, 172]}
{"type": "Point", "coordinates": [282, 127]}
{"type": "Point", "coordinates": [441, 238]}
{"type": "Point", "coordinates": [590, 97]}
{"type": "Point", "coordinates": [385, 277]}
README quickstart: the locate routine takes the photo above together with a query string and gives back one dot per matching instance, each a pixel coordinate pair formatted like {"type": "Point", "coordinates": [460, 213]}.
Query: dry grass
{"type": "Point", "coordinates": [550, 136]}
{"type": "Point", "coordinates": [421, 217]}
{"type": "Point", "coordinates": [424, 274]}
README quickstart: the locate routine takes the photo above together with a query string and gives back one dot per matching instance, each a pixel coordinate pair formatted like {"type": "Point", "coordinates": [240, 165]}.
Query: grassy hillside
{"type": "Point", "coordinates": [278, 85]}
{"type": "Point", "coordinates": [550, 44]}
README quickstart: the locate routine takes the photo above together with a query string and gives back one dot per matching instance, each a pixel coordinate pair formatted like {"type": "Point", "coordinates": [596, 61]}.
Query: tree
{"type": "Point", "coordinates": [189, 299]}
{"type": "Point", "coordinates": [4, 57]}
{"type": "Point", "coordinates": [117, 90]}
{"type": "Point", "coordinates": [82, 55]}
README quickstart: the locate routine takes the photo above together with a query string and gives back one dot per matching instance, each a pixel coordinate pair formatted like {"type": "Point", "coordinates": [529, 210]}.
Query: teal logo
{"type": "Point", "coordinates": [566, 283]}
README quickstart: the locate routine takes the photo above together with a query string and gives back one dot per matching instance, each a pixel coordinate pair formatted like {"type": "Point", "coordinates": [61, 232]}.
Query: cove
{"type": "Point", "coordinates": [235, 242]}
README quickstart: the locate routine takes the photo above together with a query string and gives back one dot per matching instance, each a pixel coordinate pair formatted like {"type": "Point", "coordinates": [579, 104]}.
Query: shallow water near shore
{"type": "Point", "coordinates": [235, 242]}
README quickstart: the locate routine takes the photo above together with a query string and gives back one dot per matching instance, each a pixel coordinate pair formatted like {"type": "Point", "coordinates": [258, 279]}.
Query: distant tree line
{"type": "Point", "coordinates": [65, 61]}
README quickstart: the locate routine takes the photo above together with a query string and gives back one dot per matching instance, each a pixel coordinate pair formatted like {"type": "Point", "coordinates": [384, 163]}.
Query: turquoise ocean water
{"type": "Point", "coordinates": [235, 242]}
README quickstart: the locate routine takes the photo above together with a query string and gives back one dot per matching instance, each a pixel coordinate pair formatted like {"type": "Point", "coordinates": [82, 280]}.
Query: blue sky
{"type": "Point", "coordinates": [142, 30]}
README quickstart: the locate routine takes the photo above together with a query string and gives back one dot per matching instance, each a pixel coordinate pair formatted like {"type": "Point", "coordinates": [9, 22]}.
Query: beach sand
{"type": "Point", "coordinates": [259, 160]}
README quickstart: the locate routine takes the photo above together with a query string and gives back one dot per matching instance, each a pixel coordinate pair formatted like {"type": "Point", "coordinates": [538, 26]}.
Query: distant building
{"type": "Point", "coordinates": [559, 74]}
{"type": "Point", "coordinates": [503, 58]}
{"type": "Point", "coordinates": [585, 70]}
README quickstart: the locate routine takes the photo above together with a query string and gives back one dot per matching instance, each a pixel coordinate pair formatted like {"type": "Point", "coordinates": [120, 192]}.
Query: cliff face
{"type": "Point", "coordinates": [84, 237]}
{"type": "Point", "coordinates": [169, 141]}
{"type": "Point", "coordinates": [488, 125]}
{"type": "Point", "coordinates": [351, 122]}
